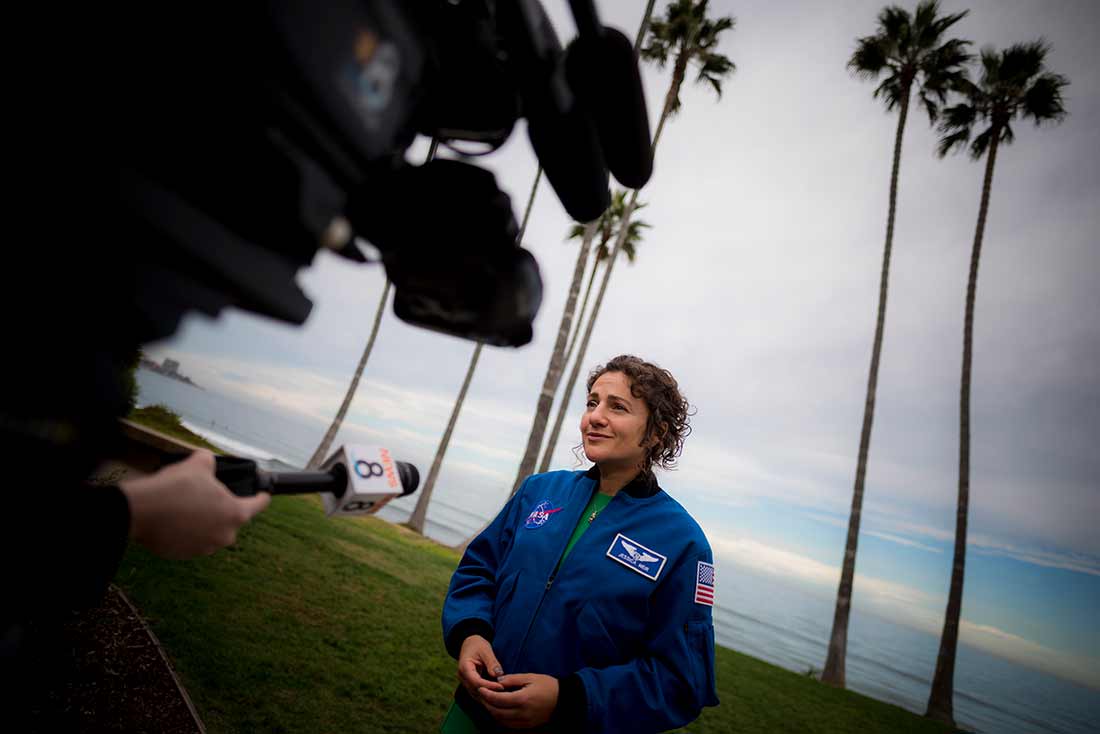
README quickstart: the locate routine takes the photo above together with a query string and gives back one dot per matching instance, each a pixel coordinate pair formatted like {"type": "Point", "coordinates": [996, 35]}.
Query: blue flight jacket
{"type": "Point", "coordinates": [621, 612]}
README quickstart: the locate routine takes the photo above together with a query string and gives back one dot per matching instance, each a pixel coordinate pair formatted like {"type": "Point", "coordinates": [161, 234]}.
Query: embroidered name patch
{"type": "Point", "coordinates": [704, 583]}
{"type": "Point", "coordinates": [636, 557]}
{"type": "Point", "coordinates": [541, 514]}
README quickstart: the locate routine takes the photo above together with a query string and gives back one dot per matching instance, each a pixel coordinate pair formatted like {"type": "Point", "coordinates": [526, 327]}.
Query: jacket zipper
{"type": "Point", "coordinates": [550, 579]}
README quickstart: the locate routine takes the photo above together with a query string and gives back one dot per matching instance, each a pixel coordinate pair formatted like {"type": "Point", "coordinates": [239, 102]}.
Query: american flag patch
{"type": "Point", "coordinates": [704, 584]}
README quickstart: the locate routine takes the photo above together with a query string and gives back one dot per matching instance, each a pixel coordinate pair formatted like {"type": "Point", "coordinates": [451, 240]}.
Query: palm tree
{"type": "Point", "coordinates": [911, 52]}
{"type": "Point", "coordinates": [607, 226]}
{"type": "Point", "coordinates": [1013, 84]}
{"type": "Point", "coordinates": [321, 453]}
{"type": "Point", "coordinates": [557, 362]}
{"type": "Point", "coordinates": [420, 512]}
{"type": "Point", "coordinates": [323, 448]}
{"type": "Point", "coordinates": [687, 36]}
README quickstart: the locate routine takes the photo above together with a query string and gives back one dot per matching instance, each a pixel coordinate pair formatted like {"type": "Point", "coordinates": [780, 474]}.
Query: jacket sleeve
{"type": "Point", "coordinates": [668, 685]}
{"type": "Point", "coordinates": [468, 608]}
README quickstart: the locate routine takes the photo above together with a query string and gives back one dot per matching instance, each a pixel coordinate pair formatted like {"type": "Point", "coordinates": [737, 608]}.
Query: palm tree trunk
{"type": "Point", "coordinates": [572, 348]}
{"type": "Point", "coordinates": [323, 448]}
{"type": "Point", "coordinates": [420, 512]}
{"type": "Point", "coordinates": [416, 520]}
{"type": "Point", "coordinates": [321, 453]}
{"type": "Point", "coordinates": [643, 26]}
{"type": "Point", "coordinates": [530, 205]}
{"type": "Point", "coordinates": [834, 671]}
{"type": "Point", "coordinates": [563, 408]}
{"type": "Point", "coordinates": [557, 363]}
{"type": "Point", "coordinates": [940, 699]}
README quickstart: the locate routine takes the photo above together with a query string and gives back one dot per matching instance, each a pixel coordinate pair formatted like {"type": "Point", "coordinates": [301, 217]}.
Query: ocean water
{"type": "Point", "coordinates": [763, 616]}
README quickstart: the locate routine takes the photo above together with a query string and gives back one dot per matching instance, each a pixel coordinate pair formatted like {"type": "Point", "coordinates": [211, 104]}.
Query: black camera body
{"type": "Point", "coordinates": [255, 133]}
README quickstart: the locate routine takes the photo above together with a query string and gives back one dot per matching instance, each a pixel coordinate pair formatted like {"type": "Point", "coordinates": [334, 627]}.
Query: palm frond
{"type": "Point", "coordinates": [930, 107]}
{"type": "Point", "coordinates": [1043, 99]}
{"type": "Point", "coordinates": [870, 57]}
{"type": "Point", "coordinates": [657, 48]}
{"type": "Point", "coordinates": [981, 143]}
{"type": "Point", "coordinates": [892, 90]}
{"type": "Point", "coordinates": [940, 25]}
{"type": "Point", "coordinates": [1023, 61]}
{"type": "Point", "coordinates": [955, 126]}
{"type": "Point", "coordinates": [912, 51]}
{"type": "Point", "coordinates": [630, 251]}
{"type": "Point", "coordinates": [991, 65]}
{"type": "Point", "coordinates": [952, 141]}
{"type": "Point", "coordinates": [1013, 83]}
{"type": "Point", "coordinates": [893, 22]}
{"type": "Point", "coordinates": [686, 36]}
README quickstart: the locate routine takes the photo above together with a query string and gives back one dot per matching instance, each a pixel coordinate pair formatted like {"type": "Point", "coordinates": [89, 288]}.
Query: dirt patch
{"type": "Point", "coordinates": [107, 675]}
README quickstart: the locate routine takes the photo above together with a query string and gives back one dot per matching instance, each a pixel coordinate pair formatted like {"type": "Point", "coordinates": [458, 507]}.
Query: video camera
{"type": "Point", "coordinates": [255, 133]}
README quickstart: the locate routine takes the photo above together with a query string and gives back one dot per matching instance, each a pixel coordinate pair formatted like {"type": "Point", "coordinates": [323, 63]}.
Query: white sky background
{"type": "Point", "coordinates": [757, 288]}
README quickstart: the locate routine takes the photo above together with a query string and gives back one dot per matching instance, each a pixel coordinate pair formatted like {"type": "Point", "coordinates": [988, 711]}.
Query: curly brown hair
{"type": "Point", "coordinates": [669, 410]}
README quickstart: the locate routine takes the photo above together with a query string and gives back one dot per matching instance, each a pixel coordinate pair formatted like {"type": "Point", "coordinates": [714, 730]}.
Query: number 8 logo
{"type": "Point", "coordinates": [368, 469]}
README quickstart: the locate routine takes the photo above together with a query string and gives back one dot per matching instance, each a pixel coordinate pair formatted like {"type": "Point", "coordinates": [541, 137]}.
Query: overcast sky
{"type": "Point", "coordinates": [757, 288]}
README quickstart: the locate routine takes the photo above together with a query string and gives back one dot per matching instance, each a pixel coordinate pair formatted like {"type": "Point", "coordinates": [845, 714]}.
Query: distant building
{"type": "Point", "coordinates": [169, 368]}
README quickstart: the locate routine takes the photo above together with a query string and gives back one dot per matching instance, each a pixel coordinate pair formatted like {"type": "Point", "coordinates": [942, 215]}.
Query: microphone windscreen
{"type": "Point", "coordinates": [603, 73]}
{"type": "Point", "coordinates": [569, 151]}
{"type": "Point", "coordinates": [410, 477]}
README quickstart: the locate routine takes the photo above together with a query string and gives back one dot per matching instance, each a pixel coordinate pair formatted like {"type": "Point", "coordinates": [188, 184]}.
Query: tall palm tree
{"type": "Point", "coordinates": [607, 226]}
{"type": "Point", "coordinates": [557, 362]}
{"type": "Point", "coordinates": [912, 53]}
{"type": "Point", "coordinates": [321, 452]}
{"type": "Point", "coordinates": [687, 36]}
{"type": "Point", "coordinates": [1013, 83]}
{"type": "Point", "coordinates": [323, 448]}
{"type": "Point", "coordinates": [420, 512]}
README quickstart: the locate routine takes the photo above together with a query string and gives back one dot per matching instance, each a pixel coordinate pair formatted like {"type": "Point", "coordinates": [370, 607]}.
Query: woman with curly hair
{"type": "Point", "coordinates": [586, 604]}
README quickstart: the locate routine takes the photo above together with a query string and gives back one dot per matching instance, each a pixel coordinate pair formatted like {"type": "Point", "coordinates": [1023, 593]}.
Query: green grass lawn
{"type": "Point", "coordinates": [161, 418]}
{"type": "Point", "coordinates": [317, 625]}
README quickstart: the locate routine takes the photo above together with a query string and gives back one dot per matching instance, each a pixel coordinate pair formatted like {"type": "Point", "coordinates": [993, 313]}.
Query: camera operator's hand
{"type": "Point", "coordinates": [475, 658]}
{"type": "Point", "coordinates": [183, 511]}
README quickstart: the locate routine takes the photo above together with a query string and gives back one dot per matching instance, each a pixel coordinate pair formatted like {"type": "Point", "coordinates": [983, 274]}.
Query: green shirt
{"type": "Point", "coordinates": [456, 721]}
{"type": "Point", "coordinates": [595, 506]}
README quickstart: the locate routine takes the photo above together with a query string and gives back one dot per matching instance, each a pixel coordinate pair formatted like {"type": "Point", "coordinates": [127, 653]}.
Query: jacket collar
{"type": "Point", "coordinates": [642, 486]}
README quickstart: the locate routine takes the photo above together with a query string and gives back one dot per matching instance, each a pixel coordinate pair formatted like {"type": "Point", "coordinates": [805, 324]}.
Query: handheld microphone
{"type": "Point", "coordinates": [356, 480]}
{"type": "Point", "coordinates": [370, 478]}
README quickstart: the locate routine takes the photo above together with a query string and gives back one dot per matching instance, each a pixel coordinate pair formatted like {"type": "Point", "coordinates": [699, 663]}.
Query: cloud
{"type": "Point", "coordinates": [842, 523]}
{"type": "Point", "coordinates": [1076, 562]}
{"type": "Point", "coordinates": [1013, 647]}
{"type": "Point", "coordinates": [787, 564]}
